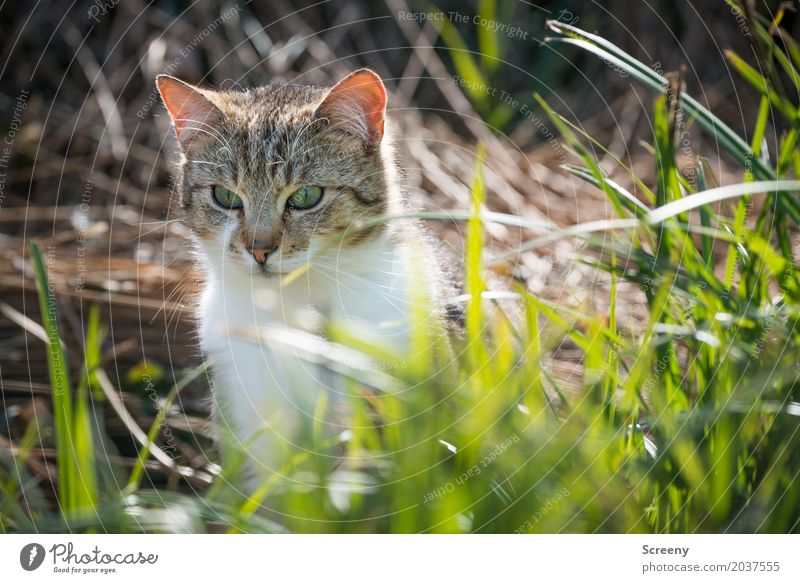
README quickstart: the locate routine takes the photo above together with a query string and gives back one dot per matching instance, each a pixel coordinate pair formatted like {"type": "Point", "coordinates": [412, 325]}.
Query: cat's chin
{"type": "Point", "coordinates": [268, 271]}
{"type": "Point", "coordinates": [265, 272]}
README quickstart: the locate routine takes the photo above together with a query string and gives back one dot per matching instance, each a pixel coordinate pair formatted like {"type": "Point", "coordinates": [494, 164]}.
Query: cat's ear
{"type": "Point", "coordinates": [357, 105]}
{"type": "Point", "coordinates": [192, 113]}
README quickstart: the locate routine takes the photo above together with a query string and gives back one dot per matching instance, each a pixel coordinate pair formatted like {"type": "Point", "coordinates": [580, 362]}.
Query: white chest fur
{"type": "Point", "coordinates": [266, 393]}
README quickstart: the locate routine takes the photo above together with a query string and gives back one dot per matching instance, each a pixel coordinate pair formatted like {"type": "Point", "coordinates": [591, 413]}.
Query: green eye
{"type": "Point", "coordinates": [225, 198]}
{"type": "Point", "coordinates": [305, 198]}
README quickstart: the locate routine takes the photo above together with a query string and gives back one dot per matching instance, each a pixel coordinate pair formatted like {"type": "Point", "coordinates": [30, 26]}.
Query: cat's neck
{"type": "Point", "coordinates": [366, 286]}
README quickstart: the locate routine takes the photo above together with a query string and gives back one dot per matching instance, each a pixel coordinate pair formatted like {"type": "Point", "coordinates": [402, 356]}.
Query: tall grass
{"type": "Point", "coordinates": [691, 425]}
{"type": "Point", "coordinates": [77, 480]}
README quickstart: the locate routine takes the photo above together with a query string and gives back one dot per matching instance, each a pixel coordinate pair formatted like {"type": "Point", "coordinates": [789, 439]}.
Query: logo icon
{"type": "Point", "coordinates": [31, 556]}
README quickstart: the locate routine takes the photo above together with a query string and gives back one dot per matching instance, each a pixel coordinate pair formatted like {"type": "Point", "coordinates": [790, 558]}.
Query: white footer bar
{"type": "Point", "coordinates": [416, 558]}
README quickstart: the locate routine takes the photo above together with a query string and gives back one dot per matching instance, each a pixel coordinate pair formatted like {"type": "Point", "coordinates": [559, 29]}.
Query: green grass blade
{"type": "Point", "coordinates": [630, 202]}
{"type": "Point", "coordinates": [673, 209]}
{"type": "Point", "coordinates": [475, 285]}
{"type": "Point", "coordinates": [762, 85]}
{"type": "Point", "coordinates": [59, 384]}
{"type": "Point", "coordinates": [488, 44]}
{"type": "Point", "coordinates": [613, 55]}
{"type": "Point", "coordinates": [87, 493]}
{"type": "Point", "coordinates": [161, 416]}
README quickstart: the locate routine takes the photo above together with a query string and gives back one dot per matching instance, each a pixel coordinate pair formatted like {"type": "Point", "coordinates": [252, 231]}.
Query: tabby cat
{"type": "Point", "coordinates": [273, 183]}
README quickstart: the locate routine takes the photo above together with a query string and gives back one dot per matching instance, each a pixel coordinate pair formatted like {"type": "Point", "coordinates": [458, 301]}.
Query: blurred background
{"type": "Point", "coordinates": [85, 162]}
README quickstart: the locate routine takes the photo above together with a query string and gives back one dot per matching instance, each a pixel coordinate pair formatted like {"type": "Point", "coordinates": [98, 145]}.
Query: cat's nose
{"type": "Point", "coordinates": [259, 253]}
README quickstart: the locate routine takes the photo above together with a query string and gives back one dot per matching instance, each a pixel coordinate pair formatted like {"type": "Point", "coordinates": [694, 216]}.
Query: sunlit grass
{"type": "Point", "coordinates": [689, 426]}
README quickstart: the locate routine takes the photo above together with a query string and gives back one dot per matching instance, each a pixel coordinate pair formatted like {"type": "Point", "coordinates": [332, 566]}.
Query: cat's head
{"type": "Point", "coordinates": [273, 177]}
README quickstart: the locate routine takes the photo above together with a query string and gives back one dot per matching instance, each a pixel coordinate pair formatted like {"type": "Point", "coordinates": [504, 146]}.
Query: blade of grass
{"type": "Point", "coordinates": [722, 193]}
{"type": "Point", "coordinates": [730, 141]}
{"type": "Point", "coordinates": [59, 384]}
{"type": "Point", "coordinates": [474, 268]}
{"type": "Point", "coordinates": [161, 416]}
{"type": "Point", "coordinates": [488, 44]}
{"type": "Point", "coordinates": [87, 494]}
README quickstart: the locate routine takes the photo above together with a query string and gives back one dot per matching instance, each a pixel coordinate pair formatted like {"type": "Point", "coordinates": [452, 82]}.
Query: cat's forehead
{"type": "Point", "coordinates": [274, 105]}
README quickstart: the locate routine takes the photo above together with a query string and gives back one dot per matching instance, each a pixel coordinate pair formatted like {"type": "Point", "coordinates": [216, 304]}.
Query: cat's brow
{"type": "Point", "coordinates": [297, 137]}
{"type": "Point", "coordinates": [200, 126]}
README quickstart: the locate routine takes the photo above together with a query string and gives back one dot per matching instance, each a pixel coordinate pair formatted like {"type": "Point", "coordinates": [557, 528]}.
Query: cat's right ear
{"type": "Point", "coordinates": [191, 112]}
{"type": "Point", "coordinates": [357, 106]}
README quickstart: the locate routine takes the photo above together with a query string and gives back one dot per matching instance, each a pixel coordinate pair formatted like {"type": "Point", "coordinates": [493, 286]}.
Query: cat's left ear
{"type": "Point", "coordinates": [192, 113]}
{"type": "Point", "coordinates": [357, 105]}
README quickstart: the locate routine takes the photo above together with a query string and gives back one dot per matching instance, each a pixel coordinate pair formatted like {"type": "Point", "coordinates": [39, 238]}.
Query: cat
{"type": "Point", "coordinates": [272, 183]}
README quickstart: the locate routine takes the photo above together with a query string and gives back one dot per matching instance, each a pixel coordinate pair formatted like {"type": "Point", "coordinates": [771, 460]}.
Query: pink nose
{"type": "Point", "coordinates": [260, 254]}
